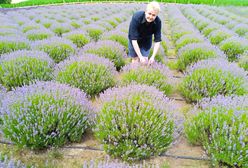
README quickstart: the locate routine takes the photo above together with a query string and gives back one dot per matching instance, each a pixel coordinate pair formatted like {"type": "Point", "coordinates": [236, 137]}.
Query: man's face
{"type": "Point", "coordinates": [150, 15]}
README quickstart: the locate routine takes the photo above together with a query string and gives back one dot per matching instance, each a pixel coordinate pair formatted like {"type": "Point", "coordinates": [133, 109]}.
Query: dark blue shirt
{"type": "Point", "coordinates": [142, 31]}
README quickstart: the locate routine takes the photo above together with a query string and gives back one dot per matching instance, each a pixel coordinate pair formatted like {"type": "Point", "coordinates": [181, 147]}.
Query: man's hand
{"type": "Point", "coordinates": [143, 60]}
{"type": "Point", "coordinates": [151, 61]}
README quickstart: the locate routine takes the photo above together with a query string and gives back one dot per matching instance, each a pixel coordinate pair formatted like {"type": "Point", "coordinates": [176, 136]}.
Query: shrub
{"type": "Point", "coordinates": [29, 27]}
{"type": "Point", "coordinates": [119, 37]}
{"type": "Point", "coordinates": [105, 25]}
{"type": "Point", "coordinates": [241, 29]}
{"type": "Point", "coordinates": [46, 23]}
{"type": "Point", "coordinates": [9, 44]}
{"type": "Point", "coordinates": [90, 73]}
{"type": "Point", "coordinates": [112, 23]}
{"type": "Point", "coordinates": [212, 77]}
{"type": "Point", "coordinates": [75, 24]}
{"type": "Point", "coordinates": [7, 162]}
{"type": "Point", "coordinates": [159, 56]}
{"type": "Point", "coordinates": [231, 24]}
{"type": "Point", "coordinates": [246, 36]}
{"type": "Point", "coordinates": [60, 29]}
{"type": "Point", "coordinates": [243, 61]}
{"type": "Point", "coordinates": [2, 93]}
{"type": "Point", "coordinates": [95, 18]}
{"type": "Point", "coordinates": [156, 75]}
{"type": "Point", "coordinates": [5, 1]}
{"type": "Point", "coordinates": [77, 37]}
{"type": "Point", "coordinates": [57, 48]}
{"type": "Point", "coordinates": [108, 49]}
{"type": "Point", "coordinates": [187, 39]}
{"type": "Point", "coordinates": [194, 52]}
{"type": "Point", "coordinates": [221, 127]}
{"type": "Point", "coordinates": [44, 114]}
{"type": "Point", "coordinates": [233, 47]}
{"type": "Point", "coordinates": [209, 29]}
{"type": "Point", "coordinates": [201, 24]}
{"type": "Point", "coordinates": [38, 34]}
{"type": "Point", "coordinates": [134, 122]}
{"type": "Point", "coordinates": [220, 19]}
{"type": "Point", "coordinates": [164, 44]}
{"type": "Point", "coordinates": [22, 67]}
{"type": "Point", "coordinates": [217, 36]}
{"type": "Point", "coordinates": [178, 33]}
{"type": "Point", "coordinates": [86, 22]}
{"type": "Point", "coordinates": [94, 32]}
{"type": "Point", "coordinates": [8, 31]}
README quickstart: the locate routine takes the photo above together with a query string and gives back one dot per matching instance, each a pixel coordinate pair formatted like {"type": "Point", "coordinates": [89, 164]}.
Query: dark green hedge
{"type": "Point", "coordinates": [5, 1]}
{"type": "Point", "coordinates": [43, 2]}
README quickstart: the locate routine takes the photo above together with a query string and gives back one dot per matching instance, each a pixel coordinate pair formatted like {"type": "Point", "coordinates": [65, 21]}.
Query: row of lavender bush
{"type": "Point", "coordinates": [219, 123]}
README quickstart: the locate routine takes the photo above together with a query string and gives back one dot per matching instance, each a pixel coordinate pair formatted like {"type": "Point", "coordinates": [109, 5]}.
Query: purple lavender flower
{"type": "Point", "coordinates": [127, 109]}
{"type": "Point", "coordinates": [221, 119]}
{"type": "Point", "coordinates": [39, 34]}
{"type": "Point", "coordinates": [108, 49]}
{"type": "Point", "coordinates": [208, 78]}
{"type": "Point", "coordinates": [233, 47]}
{"type": "Point", "coordinates": [57, 48]}
{"type": "Point", "coordinates": [10, 163]}
{"type": "Point", "coordinates": [44, 114]}
{"type": "Point", "coordinates": [21, 67]}
{"type": "Point", "coordinates": [12, 43]}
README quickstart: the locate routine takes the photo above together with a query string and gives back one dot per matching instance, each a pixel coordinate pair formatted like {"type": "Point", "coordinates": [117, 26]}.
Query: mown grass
{"type": "Point", "coordinates": [45, 2]}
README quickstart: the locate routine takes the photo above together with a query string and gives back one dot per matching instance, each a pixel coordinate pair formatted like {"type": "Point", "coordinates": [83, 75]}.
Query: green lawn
{"type": "Point", "coordinates": [210, 2]}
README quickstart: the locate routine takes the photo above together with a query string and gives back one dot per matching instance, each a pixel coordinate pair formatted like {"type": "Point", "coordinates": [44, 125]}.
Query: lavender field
{"type": "Point", "coordinates": [70, 96]}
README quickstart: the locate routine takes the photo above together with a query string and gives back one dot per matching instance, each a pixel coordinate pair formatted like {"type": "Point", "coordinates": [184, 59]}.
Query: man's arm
{"type": "Point", "coordinates": [157, 40]}
{"type": "Point", "coordinates": [137, 50]}
{"type": "Point", "coordinates": [155, 51]}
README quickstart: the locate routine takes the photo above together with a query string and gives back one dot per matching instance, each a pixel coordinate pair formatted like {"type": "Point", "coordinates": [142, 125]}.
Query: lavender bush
{"type": "Point", "coordinates": [2, 93]}
{"type": "Point", "coordinates": [160, 56]}
{"type": "Point", "coordinates": [94, 32]}
{"type": "Point", "coordinates": [231, 24]}
{"type": "Point", "coordinates": [22, 67]}
{"type": "Point", "coordinates": [243, 61]}
{"type": "Point", "coordinates": [241, 29]}
{"type": "Point", "coordinates": [164, 44]}
{"type": "Point", "coordinates": [9, 44]}
{"type": "Point", "coordinates": [76, 25]}
{"type": "Point", "coordinates": [38, 34]}
{"type": "Point", "coordinates": [60, 29]}
{"type": "Point", "coordinates": [57, 48]}
{"type": "Point", "coordinates": [108, 49]}
{"type": "Point", "coordinates": [209, 29]}
{"type": "Point", "coordinates": [77, 37]}
{"type": "Point", "coordinates": [157, 75]}
{"type": "Point", "coordinates": [119, 37]}
{"type": "Point", "coordinates": [187, 39]}
{"type": "Point", "coordinates": [8, 31]}
{"type": "Point", "coordinates": [134, 122]}
{"type": "Point", "coordinates": [221, 127]}
{"type": "Point", "coordinates": [29, 27]}
{"type": "Point", "coordinates": [233, 47]}
{"type": "Point", "coordinates": [90, 73]}
{"type": "Point", "coordinates": [44, 114]}
{"type": "Point", "coordinates": [6, 162]}
{"type": "Point", "coordinates": [194, 52]}
{"type": "Point", "coordinates": [217, 36]}
{"type": "Point", "coordinates": [212, 77]}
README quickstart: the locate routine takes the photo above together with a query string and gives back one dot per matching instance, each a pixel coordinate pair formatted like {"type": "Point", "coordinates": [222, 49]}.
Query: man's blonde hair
{"type": "Point", "coordinates": [153, 6]}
